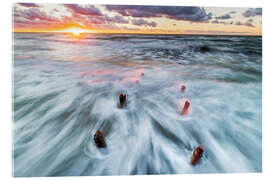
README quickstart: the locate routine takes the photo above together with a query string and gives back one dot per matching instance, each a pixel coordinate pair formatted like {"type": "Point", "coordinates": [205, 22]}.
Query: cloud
{"type": "Point", "coordinates": [258, 11]}
{"type": "Point", "coordinates": [247, 23]}
{"type": "Point", "coordinates": [232, 12]}
{"type": "Point", "coordinates": [253, 12]}
{"type": "Point", "coordinates": [225, 16]}
{"type": "Point", "coordinates": [122, 28]}
{"type": "Point", "coordinates": [87, 10]}
{"type": "Point", "coordinates": [194, 14]}
{"type": "Point", "coordinates": [34, 18]}
{"type": "Point", "coordinates": [128, 28]}
{"type": "Point", "coordinates": [91, 15]}
{"type": "Point", "coordinates": [238, 23]}
{"type": "Point", "coordinates": [215, 22]}
{"type": "Point", "coordinates": [117, 19]}
{"type": "Point", "coordinates": [33, 14]}
{"type": "Point", "coordinates": [215, 32]}
{"type": "Point", "coordinates": [88, 16]}
{"type": "Point", "coordinates": [142, 22]}
{"type": "Point", "coordinates": [92, 21]}
{"type": "Point", "coordinates": [221, 22]}
{"type": "Point", "coordinates": [28, 4]}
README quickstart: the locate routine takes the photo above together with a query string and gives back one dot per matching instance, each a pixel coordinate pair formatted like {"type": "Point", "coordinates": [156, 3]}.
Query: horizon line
{"type": "Point", "coordinates": [183, 34]}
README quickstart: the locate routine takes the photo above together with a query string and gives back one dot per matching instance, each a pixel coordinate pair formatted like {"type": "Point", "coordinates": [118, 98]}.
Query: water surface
{"type": "Point", "coordinates": [66, 88]}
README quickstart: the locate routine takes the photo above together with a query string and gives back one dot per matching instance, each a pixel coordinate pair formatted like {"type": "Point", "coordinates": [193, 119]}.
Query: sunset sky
{"type": "Point", "coordinates": [74, 18]}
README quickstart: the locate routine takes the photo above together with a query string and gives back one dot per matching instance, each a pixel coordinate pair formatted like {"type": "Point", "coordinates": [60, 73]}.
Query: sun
{"type": "Point", "coordinates": [76, 31]}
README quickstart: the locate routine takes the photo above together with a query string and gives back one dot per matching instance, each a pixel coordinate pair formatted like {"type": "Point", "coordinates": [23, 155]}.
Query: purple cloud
{"type": "Point", "coordinates": [117, 19]}
{"type": "Point", "coordinates": [28, 4]}
{"type": "Point", "coordinates": [33, 14]}
{"type": "Point", "coordinates": [91, 15]}
{"type": "Point", "coordinates": [225, 16]}
{"type": "Point", "coordinates": [88, 10]}
{"type": "Point", "coordinates": [101, 20]}
{"type": "Point", "coordinates": [194, 14]}
{"type": "Point", "coordinates": [142, 22]}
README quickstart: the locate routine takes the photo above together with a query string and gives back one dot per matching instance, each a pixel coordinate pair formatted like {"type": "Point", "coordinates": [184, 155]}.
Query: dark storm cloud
{"type": "Point", "coordinates": [87, 10]}
{"type": "Point", "coordinates": [253, 12]}
{"type": "Point", "coordinates": [28, 4]}
{"type": "Point", "coordinates": [225, 16]}
{"type": "Point", "coordinates": [194, 14]}
{"type": "Point", "coordinates": [142, 22]}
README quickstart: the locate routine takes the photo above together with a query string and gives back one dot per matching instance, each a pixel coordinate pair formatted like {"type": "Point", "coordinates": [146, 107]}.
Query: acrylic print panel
{"type": "Point", "coordinates": [128, 90]}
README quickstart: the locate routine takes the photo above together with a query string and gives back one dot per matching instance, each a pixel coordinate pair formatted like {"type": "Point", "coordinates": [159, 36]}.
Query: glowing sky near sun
{"type": "Point", "coordinates": [76, 19]}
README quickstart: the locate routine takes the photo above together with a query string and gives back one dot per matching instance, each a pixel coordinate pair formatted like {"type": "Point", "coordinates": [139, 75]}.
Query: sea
{"type": "Point", "coordinates": [66, 87]}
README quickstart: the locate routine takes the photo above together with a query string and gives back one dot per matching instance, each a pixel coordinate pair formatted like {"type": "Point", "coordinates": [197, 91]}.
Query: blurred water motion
{"type": "Point", "coordinates": [65, 89]}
